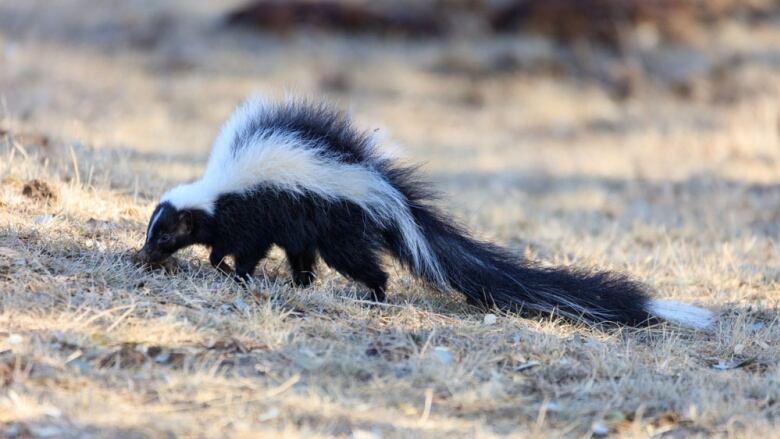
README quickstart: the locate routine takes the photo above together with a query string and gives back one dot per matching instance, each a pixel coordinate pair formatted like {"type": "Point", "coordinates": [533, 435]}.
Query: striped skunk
{"type": "Point", "coordinates": [300, 176]}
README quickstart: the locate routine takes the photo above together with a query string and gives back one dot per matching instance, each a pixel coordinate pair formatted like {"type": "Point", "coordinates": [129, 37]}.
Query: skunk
{"type": "Point", "coordinates": [299, 175]}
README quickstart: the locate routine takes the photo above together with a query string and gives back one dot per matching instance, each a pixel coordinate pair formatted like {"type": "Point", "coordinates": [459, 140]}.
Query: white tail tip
{"type": "Point", "coordinates": [681, 313]}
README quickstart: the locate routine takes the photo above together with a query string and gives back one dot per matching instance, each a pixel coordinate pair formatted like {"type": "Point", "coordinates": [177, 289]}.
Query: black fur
{"type": "Point", "coordinates": [489, 275]}
{"type": "Point", "coordinates": [245, 226]}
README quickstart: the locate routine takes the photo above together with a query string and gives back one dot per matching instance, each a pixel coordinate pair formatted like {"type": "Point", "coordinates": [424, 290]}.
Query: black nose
{"type": "Point", "coordinates": [148, 254]}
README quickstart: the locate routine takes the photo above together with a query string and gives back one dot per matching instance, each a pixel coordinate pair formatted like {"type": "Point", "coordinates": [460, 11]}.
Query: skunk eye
{"type": "Point", "coordinates": [164, 238]}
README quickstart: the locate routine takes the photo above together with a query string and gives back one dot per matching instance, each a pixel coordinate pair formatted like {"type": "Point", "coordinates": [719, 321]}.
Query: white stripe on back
{"type": "Point", "coordinates": [285, 161]}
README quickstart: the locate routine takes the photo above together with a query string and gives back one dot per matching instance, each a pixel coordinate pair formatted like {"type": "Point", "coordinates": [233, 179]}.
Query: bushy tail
{"type": "Point", "coordinates": [490, 276]}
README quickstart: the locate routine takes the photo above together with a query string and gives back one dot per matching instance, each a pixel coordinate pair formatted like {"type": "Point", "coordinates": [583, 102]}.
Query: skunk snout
{"type": "Point", "coordinates": [148, 254]}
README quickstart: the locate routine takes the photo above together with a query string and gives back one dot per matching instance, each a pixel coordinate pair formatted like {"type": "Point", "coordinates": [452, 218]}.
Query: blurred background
{"type": "Point", "coordinates": [588, 103]}
{"type": "Point", "coordinates": [635, 135]}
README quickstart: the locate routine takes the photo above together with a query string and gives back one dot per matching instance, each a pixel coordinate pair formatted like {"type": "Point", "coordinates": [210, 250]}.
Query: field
{"type": "Point", "coordinates": [104, 105]}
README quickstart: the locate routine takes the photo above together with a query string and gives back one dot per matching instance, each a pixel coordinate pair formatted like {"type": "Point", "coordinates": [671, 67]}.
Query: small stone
{"type": "Point", "coordinates": [269, 414]}
{"type": "Point", "coordinates": [489, 319]}
{"type": "Point", "coordinates": [80, 364]}
{"type": "Point", "coordinates": [365, 434]}
{"type": "Point", "coordinates": [442, 355]}
{"type": "Point", "coordinates": [42, 219]}
{"type": "Point", "coordinates": [39, 190]}
{"type": "Point", "coordinates": [737, 363]}
{"type": "Point", "coordinates": [599, 429]}
{"type": "Point", "coordinates": [164, 357]}
{"type": "Point", "coordinates": [15, 339]}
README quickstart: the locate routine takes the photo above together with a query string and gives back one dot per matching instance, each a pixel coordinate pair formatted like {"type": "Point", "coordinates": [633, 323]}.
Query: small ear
{"type": "Point", "coordinates": [185, 223]}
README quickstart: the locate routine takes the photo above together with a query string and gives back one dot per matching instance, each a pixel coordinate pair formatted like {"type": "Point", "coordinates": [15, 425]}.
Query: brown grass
{"type": "Point", "coordinates": [683, 194]}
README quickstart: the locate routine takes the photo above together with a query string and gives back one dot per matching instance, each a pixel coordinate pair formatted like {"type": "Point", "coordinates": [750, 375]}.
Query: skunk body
{"type": "Point", "coordinates": [299, 176]}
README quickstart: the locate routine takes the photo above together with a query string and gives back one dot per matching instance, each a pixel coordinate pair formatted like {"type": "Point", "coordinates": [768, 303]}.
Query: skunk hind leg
{"type": "Point", "coordinates": [247, 261]}
{"type": "Point", "coordinates": [364, 268]}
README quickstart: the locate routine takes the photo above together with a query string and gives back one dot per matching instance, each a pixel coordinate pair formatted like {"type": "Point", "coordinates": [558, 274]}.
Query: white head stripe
{"type": "Point", "coordinates": [152, 223]}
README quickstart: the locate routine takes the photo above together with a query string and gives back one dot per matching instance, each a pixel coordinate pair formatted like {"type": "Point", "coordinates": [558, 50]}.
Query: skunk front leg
{"type": "Point", "coordinates": [302, 266]}
{"type": "Point", "coordinates": [217, 260]}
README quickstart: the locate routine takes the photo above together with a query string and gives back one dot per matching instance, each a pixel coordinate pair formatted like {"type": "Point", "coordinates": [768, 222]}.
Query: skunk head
{"type": "Point", "coordinates": [169, 230]}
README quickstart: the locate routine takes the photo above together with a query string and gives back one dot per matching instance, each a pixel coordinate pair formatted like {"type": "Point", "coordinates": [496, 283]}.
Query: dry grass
{"type": "Point", "coordinates": [684, 194]}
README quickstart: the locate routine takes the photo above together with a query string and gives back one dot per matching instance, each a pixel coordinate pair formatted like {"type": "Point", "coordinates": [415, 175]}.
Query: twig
{"type": "Point", "coordinates": [428, 403]}
{"type": "Point", "coordinates": [75, 165]}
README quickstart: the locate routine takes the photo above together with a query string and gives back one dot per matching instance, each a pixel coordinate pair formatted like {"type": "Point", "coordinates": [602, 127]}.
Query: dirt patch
{"type": "Point", "coordinates": [600, 21]}
{"type": "Point", "coordinates": [284, 17]}
{"type": "Point", "coordinates": [40, 190]}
